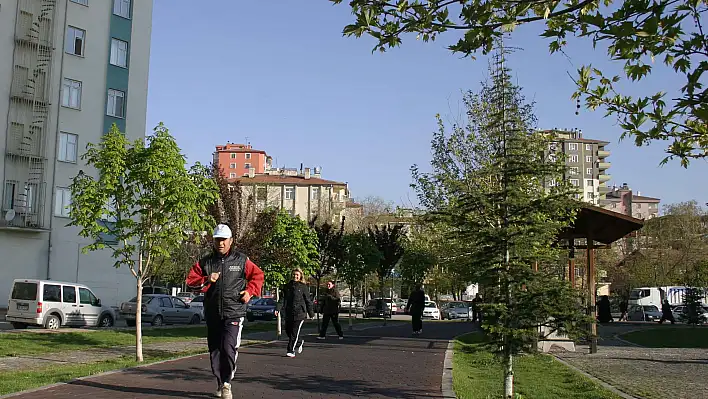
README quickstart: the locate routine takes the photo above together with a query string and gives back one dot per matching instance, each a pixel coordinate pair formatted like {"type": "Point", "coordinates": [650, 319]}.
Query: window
{"type": "Point", "coordinates": [232, 166]}
{"type": "Point", "coordinates": [82, 2]}
{"type": "Point", "coordinates": [573, 170]}
{"type": "Point", "coordinates": [119, 53]}
{"type": "Point", "coordinates": [75, 38]}
{"type": "Point", "coordinates": [62, 202]}
{"type": "Point", "coordinates": [178, 303]}
{"type": "Point", "coordinates": [588, 147]}
{"type": "Point", "coordinates": [261, 193]}
{"type": "Point", "coordinates": [87, 297]}
{"type": "Point", "coordinates": [315, 192]}
{"type": "Point", "coordinates": [247, 166]}
{"type": "Point", "coordinates": [248, 155]}
{"type": "Point", "coordinates": [233, 155]}
{"type": "Point", "coordinates": [588, 171]}
{"type": "Point", "coordinates": [67, 147]}
{"type": "Point", "coordinates": [121, 8]}
{"type": "Point", "coordinates": [232, 175]}
{"type": "Point", "coordinates": [575, 182]}
{"type": "Point", "coordinates": [9, 195]}
{"type": "Point", "coordinates": [573, 146]}
{"type": "Point", "coordinates": [614, 205]}
{"type": "Point", "coordinates": [68, 294]}
{"type": "Point", "coordinates": [589, 182]}
{"type": "Point", "coordinates": [52, 293]}
{"type": "Point", "coordinates": [165, 303]}
{"type": "Point", "coordinates": [71, 94]}
{"type": "Point", "coordinates": [289, 193]}
{"type": "Point", "coordinates": [116, 103]}
{"type": "Point", "coordinates": [588, 159]}
{"type": "Point", "coordinates": [573, 158]}
{"type": "Point", "coordinates": [30, 197]}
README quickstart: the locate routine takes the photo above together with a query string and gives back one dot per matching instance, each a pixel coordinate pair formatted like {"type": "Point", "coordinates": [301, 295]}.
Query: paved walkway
{"type": "Point", "coordinates": [384, 362]}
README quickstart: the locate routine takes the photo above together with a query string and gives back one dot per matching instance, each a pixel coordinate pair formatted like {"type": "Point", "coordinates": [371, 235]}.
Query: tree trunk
{"type": "Point", "coordinates": [279, 328]}
{"type": "Point", "coordinates": [508, 372]}
{"type": "Point", "coordinates": [139, 315]}
{"type": "Point", "coordinates": [351, 299]}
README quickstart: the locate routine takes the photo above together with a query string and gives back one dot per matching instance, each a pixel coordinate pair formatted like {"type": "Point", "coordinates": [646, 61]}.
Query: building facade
{"type": "Point", "coordinates": [235, 160]}
{"type": "Point", "coordinates": [587, 163]}
{"type": "Point", "coordinates": [623, 200]}
{"type": "Point", "coordinates": [69, 69]}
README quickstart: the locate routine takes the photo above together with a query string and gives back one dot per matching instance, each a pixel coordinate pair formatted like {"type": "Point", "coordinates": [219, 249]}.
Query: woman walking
{"type": "Point", "coordinates": [296, 305]}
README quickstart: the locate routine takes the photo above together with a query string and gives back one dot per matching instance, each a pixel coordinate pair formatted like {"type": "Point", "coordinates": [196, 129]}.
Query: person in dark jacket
{"type": "Point", "coordinates": [604, 310]}
{"type": "Point", "coordinates": [415, 306]}
{"type": "Point", "coordinates": [228, 280]}
{"type": "Point", "coordinates": [666, 313]}
{"type": "Point", "coordinates": [297, 305]}
{"type": "Point", "coordinates": [330, 311]}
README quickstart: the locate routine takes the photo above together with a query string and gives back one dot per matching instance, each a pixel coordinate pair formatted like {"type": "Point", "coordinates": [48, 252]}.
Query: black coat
{"type": "Point", "coordinates": [223, 299]}
{"type": "Point", "coordinates": [331, 301]}
{"type": "Point", "coordinates": [295, 303]}
{"type": "Point", "coordinates": [416, 302]}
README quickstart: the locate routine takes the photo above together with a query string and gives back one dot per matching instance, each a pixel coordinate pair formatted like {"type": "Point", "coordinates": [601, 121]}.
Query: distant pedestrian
{"type": "Point", "coordinates": [415, 305]}
{"type": "Point", "coordinates": [229, 279]}
{"type": "Point", "coordinates": [330, 311]}
{"type": "Point", "coordinates": [623, 310]}
{"type": "Point", "coordinates": [604, 310]}
{"type": "Point", "coordinates": [476, 308]}
{"type": "Point", "coordinates": [296, 305]}
{"type": "Point", "coordinates": [666, 313]}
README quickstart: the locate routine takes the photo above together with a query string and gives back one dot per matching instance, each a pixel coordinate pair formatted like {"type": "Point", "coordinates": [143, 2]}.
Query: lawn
{"type": "Point", "coordinates": [478, 374]}
{"type": "Point", "coordinates": [669, 337]}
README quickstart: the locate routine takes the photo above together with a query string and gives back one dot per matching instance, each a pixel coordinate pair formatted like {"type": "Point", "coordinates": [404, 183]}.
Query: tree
{"type": "Point", "coordinates": [360, 257]}
{"type": "Point", "coordinates": [373, 210]}
{"type": "Point", "coordinates": [143, 203]}
{"type": "Point", "coordinates": [389, 240]}
{"type": "Point", "coordinates": [635, 32]}
{"type": "Point", "coordinates": [418, 260]}
{"type": "Point", "coordinates": [330, 250]}
{"type": "Point", "coordinates": [502, 195]}
{"type": "Point", "coordinates": [288, 243]}
{"type": "Point", "coordinates": [233, 206]}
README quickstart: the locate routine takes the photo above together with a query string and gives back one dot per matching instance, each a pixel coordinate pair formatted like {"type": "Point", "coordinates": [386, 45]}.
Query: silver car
{"type": "Point", "coordinates": [456, 310]}
{"type": "Point", "coordinates": [159, 309]}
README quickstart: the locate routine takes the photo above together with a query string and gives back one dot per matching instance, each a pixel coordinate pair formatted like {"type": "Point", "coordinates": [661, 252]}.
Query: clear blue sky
{"type": "Point", "coordinates": [281, 74]}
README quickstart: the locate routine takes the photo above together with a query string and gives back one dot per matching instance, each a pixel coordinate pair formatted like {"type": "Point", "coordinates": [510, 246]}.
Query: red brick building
{"type": "Point", "coordinates": [236, 159]}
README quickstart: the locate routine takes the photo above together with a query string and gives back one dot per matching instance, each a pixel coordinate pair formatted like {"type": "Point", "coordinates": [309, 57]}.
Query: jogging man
{"type": "Point", "coordinates": [229, 279]}
{"type": "Point", "coordinates": [415, 305]}
{"type": "Point", "coordinates": [330, 311]}
{"type": "Point", "coordinates": [297, 305]}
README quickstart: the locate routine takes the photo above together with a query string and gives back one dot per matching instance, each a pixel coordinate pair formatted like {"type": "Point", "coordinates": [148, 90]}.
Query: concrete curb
{"type": "Point", "coordinates": [602, 383]}
{"type": "Point", "coordinates": [446, 387]}
{"type": "Point", "coordinates": [88, 377]}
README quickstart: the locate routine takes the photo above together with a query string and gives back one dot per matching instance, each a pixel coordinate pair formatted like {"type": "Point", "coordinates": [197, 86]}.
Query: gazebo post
{"type": "Point", "coordinates": [592, 293]}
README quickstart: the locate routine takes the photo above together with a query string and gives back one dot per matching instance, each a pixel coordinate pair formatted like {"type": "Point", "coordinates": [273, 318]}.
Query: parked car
{"type": "Point", "coordinates": [186, 296]}
{"type": "Point", "coordinates": [262, 309]}
{"type": "Point", "coordinates": [159, 309]}
{"type": "Point", "coordinates": [354, 304]}
{"type": "Point", "coordinates": [378, 307]}
{"type": "Point", "coordinates": [455, 310]}
{"type": "Point", "coordinates": [431, 311]}
{"type": "Point", "coordinates": [53, 304]}
{"type": "Point", "coordinates": [401, 306]}
{"type": "Point", "coordinates": [198, 303]}
{"type": "Point", "coordinates": [643, 313]}
{"type": "Point", "coordinates": [681, 313]}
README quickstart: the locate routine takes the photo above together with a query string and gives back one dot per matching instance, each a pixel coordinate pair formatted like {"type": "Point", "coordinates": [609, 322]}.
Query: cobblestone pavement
{"type": "Point", "coordinates": [644, 372]}
{"type": "Point", "coordinates": [382, 362]}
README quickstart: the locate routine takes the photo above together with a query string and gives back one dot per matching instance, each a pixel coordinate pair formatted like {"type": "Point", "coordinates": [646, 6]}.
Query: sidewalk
{"type": "Point", "coordinates": [380, 362]}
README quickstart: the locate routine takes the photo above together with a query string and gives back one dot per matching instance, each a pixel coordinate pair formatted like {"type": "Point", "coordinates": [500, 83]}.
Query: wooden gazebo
{"type": "Point", "coordinates": [599, 228]}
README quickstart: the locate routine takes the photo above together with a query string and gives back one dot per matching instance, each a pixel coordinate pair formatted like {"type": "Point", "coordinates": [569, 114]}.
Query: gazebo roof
{"type": "Point", "coordinates": [601, 225]}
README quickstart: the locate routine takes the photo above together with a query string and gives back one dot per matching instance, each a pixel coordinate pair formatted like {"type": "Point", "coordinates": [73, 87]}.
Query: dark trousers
{"type": "Point", "coordinates": [325, 323]}
{"type": "Point", "coordinates": [417, 321]}
{"type": "Point", "coordinates": [292, 328]}
{"type": "Point", "coordinates": [476, 315]}
{"type": "Point", "coordinates": [224, 339]}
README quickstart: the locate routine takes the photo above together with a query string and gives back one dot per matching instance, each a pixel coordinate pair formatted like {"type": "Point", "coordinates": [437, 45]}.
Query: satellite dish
{"type": "Point", "coordinates": [10, 215]}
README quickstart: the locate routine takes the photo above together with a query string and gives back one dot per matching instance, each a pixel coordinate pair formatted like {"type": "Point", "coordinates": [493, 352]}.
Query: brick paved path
{"type": "Point", "coordinates": [375, 363]}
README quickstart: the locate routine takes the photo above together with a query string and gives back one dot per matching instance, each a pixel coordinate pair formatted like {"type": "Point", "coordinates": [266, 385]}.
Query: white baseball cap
{"type": "Point", "coordinates": [222, 231]}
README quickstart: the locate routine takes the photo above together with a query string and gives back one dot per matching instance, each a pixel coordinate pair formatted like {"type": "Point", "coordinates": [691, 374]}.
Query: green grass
{"type": "Point", "coordinates": [669, 337]}
{"type": "Point", "coordinates": [478, 374]}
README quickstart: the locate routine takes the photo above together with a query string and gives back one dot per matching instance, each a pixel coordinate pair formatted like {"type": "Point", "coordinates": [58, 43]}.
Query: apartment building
{"type": "Point", "coordinates": [623, 200]}
{"type": "Point", "coordinates": [587, 163]}
{"type": "Point", "coordinates": [237, 159]}
{"type": "Point", "coordinates": [69, 69]}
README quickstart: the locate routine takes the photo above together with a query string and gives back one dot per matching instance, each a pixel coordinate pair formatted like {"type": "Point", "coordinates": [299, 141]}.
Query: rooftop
{"type": "Point", "coordinates": [573, 136]}
{"type": "Point", "coordinates": [285, 179]}
{"type": "Point", "coordinates": [232, 147]}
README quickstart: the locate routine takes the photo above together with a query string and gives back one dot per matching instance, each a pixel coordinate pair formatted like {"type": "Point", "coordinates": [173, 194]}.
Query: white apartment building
{"type": "Point", "coordinates": [69, 69]}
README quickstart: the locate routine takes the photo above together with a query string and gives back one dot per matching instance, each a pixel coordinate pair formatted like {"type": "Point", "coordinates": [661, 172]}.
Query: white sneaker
{"type": "Point", "coordinates": [299, 348]}
{"type": "Point", "coordinates": [226, 391]}
{"type": "Point", "coordinates": [217, 394]}
{"type": "Point", "coordinates": [318, 337]}
{"type": "Point", "coordinates": [290, 354]}
{"type": "Point", "coordinates": [341, 337]}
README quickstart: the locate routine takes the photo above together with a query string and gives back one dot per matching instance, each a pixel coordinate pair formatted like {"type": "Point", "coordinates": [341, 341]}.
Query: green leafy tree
{"type": "Point", "coordinates": [360, 258]}
{"type": "Point", "coordinates": [635, 32]}
{"type": "Point", "coordinates": [390, 241]}
{"type": "Point", "coordinates": [503, 198]}
{"type": "Point", "coordinates": [330, 249]}
{"type": "Point", "coordinates": [287, 243]}
{"type": "Point", "coordinates": [418, 260]}
{"type": "Point", "coordinates": [142, 203]}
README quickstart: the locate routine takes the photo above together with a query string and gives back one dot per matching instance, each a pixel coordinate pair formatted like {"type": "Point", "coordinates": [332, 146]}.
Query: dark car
{"type": "Point", "coordinates": [261, 309]}
{"type": "Point", "coordinates": [378, 308]}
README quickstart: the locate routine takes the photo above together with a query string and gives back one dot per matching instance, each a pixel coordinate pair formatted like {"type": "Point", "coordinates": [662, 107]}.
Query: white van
{"type": "Point", "coordinates": [53, 304]}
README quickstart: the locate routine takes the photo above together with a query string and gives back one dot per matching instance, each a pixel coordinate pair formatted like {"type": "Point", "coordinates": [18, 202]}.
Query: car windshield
{"type": "Point", "coordinates": [651, 309]}
{"type": "Point", "coordinates": [457, 305]}
{"type": "Point", "coordinates": [430, 305]}
{"type": "Point", "coordinates": [184, 294]}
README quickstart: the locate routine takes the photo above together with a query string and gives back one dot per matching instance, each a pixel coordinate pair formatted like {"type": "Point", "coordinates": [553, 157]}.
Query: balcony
{"type": "Point", "coordinates": [603, 154]}
{"type": "Point", "coordinates": [604, 178]}
{"type": "Point", "coordinates": [603, 165]}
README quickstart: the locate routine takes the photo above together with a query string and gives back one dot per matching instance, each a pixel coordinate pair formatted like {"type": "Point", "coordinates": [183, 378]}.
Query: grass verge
{"type": "Point", "coordinates": [478, 374]}
{"type": "Point", "coordinates": [669, 337]}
